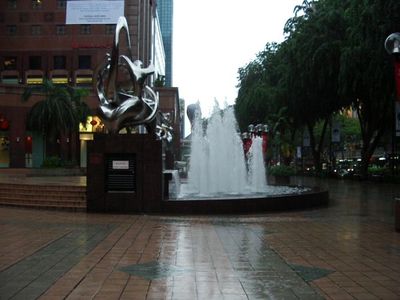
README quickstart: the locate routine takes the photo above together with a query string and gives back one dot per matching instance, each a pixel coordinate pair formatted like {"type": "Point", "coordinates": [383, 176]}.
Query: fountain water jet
{"type": "Point", "coordinates": [218, 166]}
{"type": "Point", "coordinates": [221, 181]}
{"type": "Point", "coordinates": [257, 174]}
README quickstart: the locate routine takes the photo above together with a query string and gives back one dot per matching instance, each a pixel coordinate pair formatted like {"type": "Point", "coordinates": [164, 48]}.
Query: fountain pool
{"type": "Point", "coordinates": [218, 166]}
{"type": "Point", "coordinates": [222, 180]}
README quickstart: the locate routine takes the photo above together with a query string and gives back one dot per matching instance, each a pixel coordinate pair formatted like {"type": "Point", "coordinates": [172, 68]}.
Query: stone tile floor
{"type": "Point", "coordinates": [348, 250]}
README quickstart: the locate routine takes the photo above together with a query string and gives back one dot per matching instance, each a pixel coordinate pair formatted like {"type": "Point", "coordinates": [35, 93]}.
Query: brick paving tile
{"type": "Point", "coordinates": [348, 250]}
{"type": "Point", "coordinates": [364, 296]}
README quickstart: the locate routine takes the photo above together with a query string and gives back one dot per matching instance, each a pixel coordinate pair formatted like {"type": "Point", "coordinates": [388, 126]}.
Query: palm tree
{"type": "Point", "coordinates": [59, 112]}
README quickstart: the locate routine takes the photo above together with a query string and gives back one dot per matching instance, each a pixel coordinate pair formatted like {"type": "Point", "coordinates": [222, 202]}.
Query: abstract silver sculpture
{"type": "Point", "coordinates": [127, 102]}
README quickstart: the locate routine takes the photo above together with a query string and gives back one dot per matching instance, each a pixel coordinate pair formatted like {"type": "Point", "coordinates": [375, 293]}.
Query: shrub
{"type": "Point", "coordinates": [374, 170]}
{"type": "Point", "coordinates": [52, 162]}
{"type": "Point", "coordinates": [281, 170]}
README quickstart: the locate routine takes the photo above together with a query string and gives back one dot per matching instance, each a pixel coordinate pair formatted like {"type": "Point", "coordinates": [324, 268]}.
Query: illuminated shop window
{"type": "Point", "coordinates": [34, 80]}
{"type": "Point", "coordinates": [9, 79]}
{"type": "Point", "coordinates": [10, 63]}
{"type": "Point", "coordinates": [59, 79]}
{"type": "Point", "coordinates": [84, 80]}
{"type": "Point", "coordinates": [93, 124]}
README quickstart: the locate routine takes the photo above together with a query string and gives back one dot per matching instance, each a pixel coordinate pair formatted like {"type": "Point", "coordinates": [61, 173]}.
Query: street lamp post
{"type": "Point", "coordinates": [392, 46]}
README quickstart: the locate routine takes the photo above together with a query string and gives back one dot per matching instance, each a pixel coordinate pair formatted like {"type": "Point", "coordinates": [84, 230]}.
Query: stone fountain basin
{"type": "Point", "coordinates": [304, 198]}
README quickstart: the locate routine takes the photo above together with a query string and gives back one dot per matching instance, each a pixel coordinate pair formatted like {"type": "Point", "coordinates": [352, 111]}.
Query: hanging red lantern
{"type": "Point", "coordinates": [93, 122]}
{"type": "Point", "coordinates": [4, 124]}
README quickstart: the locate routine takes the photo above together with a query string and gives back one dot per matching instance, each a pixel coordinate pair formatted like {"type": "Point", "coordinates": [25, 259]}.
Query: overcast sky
{"type": "Point", "coordinates": [214, 38]}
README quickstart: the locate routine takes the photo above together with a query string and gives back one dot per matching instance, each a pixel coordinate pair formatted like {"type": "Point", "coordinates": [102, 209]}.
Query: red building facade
{"type": "Point", "coordinates": [36, 43]}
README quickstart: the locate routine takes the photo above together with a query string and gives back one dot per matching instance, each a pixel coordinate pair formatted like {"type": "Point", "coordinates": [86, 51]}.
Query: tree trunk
{"type": "Point", "coordinates": [371, 137]}
{"type": "Point", "coordinates": [316, 149]}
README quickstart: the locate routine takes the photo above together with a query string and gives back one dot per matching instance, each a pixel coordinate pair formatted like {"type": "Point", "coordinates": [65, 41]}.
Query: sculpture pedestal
{"type": "Point", "coordinates": [124, 174]}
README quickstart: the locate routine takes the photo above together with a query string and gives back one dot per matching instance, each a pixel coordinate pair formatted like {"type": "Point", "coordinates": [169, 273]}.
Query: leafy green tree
{"type": "Point", "coordinates": [349, 128]}
{"type": "Point", "coordinates": [160, 81]}
{"type": "Point", "coordinates": [262, 98]}
{"type": "Point", "coordinates": [257, 90]}
{"type": "Point", "coordinates": [366, 74]}
{"type": "Point", "coordinates": [313, 51]}
{"type": "Point", "coordinates": [301, 13]}
{"type": "Point", "coordinates": [59, 112]}
{"type": "Point", "coordinates": [332, 58]}
{"type": "Point", "coordinates": [282, 134]}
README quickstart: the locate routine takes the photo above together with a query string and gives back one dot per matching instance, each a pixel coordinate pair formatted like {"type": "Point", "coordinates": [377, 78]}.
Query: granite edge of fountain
{"type": "Point", "coordinates": [307, 199]}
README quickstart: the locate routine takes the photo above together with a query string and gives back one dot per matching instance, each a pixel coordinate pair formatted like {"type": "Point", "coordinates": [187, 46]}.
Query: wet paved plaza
{"type": "Point", "coordinates": [348, 250]}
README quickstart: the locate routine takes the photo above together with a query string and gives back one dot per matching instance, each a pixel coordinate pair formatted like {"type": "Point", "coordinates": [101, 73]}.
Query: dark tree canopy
{"type": "Point", "coordinates": [333, 58]}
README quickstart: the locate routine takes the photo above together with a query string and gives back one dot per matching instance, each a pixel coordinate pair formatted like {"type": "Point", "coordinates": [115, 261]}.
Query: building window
{"type": "Point", "coordinates": [24, 17]}
{"type": "Point", "coordinates": [59, 62]}
{"type": "Point", "coordinates": [11, 29]}
{"type": "Point", "coordinates": [36, 4]}
{"type": "Point", "coordinates": [110, 29]}
{"type": "Point", "coordinates": [10, 63]}
{"type": "Point", "coordinates": [85, 29]}
{"type": "Point", "coordinates": [84, 62]}
{"type": "Point", "coordinates": [49, 17]}
{"type": "Point", "coordinates": [36, 29]}
{"type": "Point", "coordinates": [35, 63]}
{"type": "Point", "coordinates": [12, 4]}
{"type": "Point", "coordinates": [60, 29]}
{"type": "Point", "coordinates": [61, 4]}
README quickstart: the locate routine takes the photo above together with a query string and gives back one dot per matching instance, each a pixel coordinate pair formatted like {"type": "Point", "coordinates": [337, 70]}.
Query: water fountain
{"type": "Point", "coordinates": [218, 166]}
{"type": "Point", "coordinates": [222, 180]}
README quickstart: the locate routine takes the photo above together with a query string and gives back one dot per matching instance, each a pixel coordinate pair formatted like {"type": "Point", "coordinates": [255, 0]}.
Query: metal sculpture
{"type": "Point", "coordinates": [128, 102]}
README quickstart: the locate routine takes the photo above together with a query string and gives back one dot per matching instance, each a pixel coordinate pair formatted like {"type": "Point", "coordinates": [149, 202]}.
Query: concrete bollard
{"type": "Point", "coordinates": [397, 213]}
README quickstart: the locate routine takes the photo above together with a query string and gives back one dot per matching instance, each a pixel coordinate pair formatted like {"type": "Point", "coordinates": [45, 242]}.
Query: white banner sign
{"type": "Point", "coordinates": [94, 11]}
